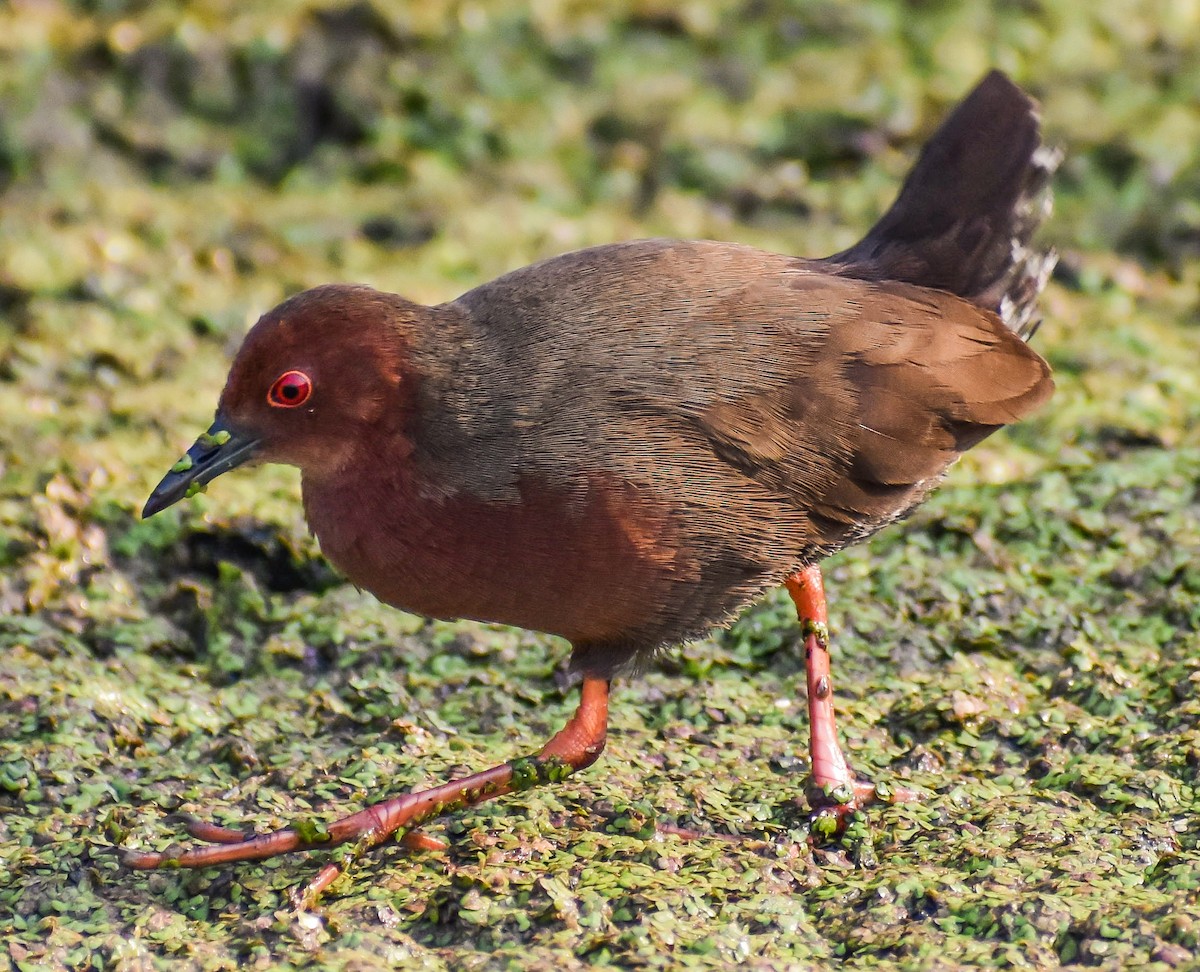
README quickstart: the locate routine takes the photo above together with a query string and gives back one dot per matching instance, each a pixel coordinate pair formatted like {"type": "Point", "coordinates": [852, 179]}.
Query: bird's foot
{"type": "Point", "coordinates": [229, 844]}
{"type": "Point", "coordinates": [836, 806]}
{"type": "Point", "coordinates": [575, 746]}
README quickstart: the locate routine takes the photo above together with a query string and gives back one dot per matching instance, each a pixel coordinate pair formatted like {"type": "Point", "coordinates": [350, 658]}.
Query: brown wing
{"type": "Point", "coordinates": [905, 380]}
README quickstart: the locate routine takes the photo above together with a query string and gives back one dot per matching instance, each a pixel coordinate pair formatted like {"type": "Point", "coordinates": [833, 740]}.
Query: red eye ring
{"type": "Point", "coordinates": [290, 390]}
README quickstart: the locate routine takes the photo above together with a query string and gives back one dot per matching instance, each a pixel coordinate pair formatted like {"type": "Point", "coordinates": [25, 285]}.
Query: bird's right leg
{"type": "Point", "coordinates": [578, 744]}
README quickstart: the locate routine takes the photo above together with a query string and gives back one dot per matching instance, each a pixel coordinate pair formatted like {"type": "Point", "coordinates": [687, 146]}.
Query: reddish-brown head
{"type": "Point", "coordinates": [315, 377]}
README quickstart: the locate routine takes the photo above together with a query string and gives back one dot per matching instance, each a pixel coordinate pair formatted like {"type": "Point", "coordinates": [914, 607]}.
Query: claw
{"type": "Point", "coordinates": [415, 840]}
{"type": "Point", "coordinates": [212, 833]}
{"type": "Point", "coordinates": [305, 898]}
{"type": "Point", "coordinates": [146, 860]}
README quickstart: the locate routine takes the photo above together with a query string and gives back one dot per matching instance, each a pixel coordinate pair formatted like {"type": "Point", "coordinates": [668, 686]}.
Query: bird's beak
{"type": "Point", "coordinates": [217, 451]}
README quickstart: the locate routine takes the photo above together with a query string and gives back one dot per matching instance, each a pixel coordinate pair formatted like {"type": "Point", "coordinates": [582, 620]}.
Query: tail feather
{"type": "Point", "coordinates": [966, 213]}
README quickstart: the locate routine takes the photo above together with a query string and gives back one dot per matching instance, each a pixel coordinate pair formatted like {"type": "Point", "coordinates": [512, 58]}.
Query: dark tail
{"type": "Point", "coordinates": [966, 212]}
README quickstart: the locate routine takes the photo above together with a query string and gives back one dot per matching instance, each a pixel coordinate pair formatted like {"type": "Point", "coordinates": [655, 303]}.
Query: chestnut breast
{"type": "Point", "coordinates": [589, 565]}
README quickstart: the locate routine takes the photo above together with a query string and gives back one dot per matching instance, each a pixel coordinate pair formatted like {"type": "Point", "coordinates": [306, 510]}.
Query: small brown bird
{"type": "Point", "coordinates": [625, 445]}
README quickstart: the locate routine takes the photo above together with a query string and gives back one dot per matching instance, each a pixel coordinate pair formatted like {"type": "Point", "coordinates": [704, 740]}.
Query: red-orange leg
{"type": "Point", "coordinates": [577, 745]}
{"type": "Point", "coordinates": [832, 784]}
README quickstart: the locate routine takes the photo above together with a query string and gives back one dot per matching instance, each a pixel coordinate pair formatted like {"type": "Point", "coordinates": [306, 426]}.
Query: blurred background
{"type": "Point", "coordinates": [1024, 650]}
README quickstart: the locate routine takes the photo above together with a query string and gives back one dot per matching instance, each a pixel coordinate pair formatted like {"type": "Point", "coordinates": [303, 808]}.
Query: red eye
{"type": "Point", "coordinates": [292, 388]}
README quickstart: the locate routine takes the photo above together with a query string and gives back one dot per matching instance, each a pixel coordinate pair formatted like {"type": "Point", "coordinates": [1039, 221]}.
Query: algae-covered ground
{"type": "Point", "coordinates": [1023, 651]}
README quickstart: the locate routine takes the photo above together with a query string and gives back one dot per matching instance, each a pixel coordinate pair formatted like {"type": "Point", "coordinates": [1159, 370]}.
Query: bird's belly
{"type": "Point", "coordinates": [593, 565]}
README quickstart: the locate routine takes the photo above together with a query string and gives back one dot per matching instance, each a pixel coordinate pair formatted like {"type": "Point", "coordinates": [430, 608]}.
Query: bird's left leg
{"type": "Point", "coordinates": [831, 782]}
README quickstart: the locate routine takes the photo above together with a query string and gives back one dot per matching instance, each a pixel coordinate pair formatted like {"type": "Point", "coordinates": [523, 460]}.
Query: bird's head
{"type": "Point", "coordinates": [314, 378]}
